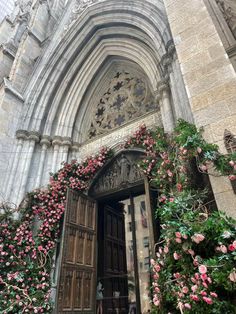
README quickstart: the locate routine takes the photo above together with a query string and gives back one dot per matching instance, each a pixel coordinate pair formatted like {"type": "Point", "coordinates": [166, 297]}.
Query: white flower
{"type": "Point", "coordinates": [226, 234]}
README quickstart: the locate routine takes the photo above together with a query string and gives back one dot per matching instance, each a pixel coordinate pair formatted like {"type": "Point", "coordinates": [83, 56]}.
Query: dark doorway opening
{"type": "Point", "coordinates": [124, 252]}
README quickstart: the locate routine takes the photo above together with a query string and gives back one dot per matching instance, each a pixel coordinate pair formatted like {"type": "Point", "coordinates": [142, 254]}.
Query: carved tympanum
{"type": "Point", "coordinates": [122, 172]}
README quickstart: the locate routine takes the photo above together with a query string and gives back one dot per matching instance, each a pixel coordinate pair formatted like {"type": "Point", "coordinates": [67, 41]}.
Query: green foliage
{"type": "Point", "coordinates": [195, 267]}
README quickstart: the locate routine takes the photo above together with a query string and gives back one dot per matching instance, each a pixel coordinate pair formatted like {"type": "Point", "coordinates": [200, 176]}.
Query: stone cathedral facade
{"type": "Point", "coordinates": [80, 74]}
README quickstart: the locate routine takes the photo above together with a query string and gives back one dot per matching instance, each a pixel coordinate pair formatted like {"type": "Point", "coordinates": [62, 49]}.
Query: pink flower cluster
{"type": "Point", "coordinates": [28, 254]}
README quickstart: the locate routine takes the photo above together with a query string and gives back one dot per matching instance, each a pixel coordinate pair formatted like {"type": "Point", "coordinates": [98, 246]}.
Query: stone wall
{"type": "Point", "coordinates": [209, 78]}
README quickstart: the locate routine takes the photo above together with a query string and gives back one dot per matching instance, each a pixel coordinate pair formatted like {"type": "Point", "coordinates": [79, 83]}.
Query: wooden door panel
{"type": "Point", "coordinates": [81, 208]}
{"type": "Point", "coordinates": [76, 292]}
{"type": "Point", "coordinates": [80, 247]}
{"type": "Point", "coordinates": [115, 269]}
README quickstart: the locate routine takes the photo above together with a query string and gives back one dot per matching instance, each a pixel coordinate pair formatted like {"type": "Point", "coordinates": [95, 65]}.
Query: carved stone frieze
{"type": "Point", "coordinates": [228, 9]}
{"type": "Point", "coordinates": [120, 173]}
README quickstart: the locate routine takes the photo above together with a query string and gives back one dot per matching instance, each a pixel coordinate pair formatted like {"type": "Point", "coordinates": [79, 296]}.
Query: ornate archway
{"type": "Point", "coordinates": [103, 236]}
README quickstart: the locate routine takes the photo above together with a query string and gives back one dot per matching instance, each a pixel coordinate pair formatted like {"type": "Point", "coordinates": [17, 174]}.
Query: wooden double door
{"type": "Point", "coordinates": [87, 258]}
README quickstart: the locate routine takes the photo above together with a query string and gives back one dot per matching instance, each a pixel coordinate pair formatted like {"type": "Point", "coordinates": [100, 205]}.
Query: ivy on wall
{"type": "Point", "coordinates": [194, 267]}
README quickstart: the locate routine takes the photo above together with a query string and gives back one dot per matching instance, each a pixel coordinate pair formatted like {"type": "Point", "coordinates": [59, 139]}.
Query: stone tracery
{"type": "Point", "coordinates": [127, 97]}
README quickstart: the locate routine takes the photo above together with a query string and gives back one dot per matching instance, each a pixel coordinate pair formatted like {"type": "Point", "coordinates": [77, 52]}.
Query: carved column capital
{"type": "Point", "coordinates": [57, 140]}
{"type": "Point", "coordinates": [66, 141]}
{"type": "Point", "coordinates": [163, 86]}
{"type": "Point", "coordinates": [157, 95]}
{"type": "Point", "coordinates": [46, 140]}
{"type": "Point", "coordinates": [22, 134]}
{"type": "Point", "coordinates": [35, 136]}
{"type": "Point", "coordinates": [170, 48]}
{"type": "Point", "coordinates": [75, 146]}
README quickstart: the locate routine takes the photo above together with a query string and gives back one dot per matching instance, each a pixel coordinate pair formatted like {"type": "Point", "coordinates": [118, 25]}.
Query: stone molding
{"type": "Point", "coordinates": [57, 140]}
{"type": "Point", "coordinates": [22, 134]}
{"type": "Point", "coordinates": [75, 146]}
{"type": "Point", "coordinates": [46, 140]}
{"type": "Point", "coordinates": [33, 135]}
{"type": "Point", "coordinates": [8, 51]}
{"type": "Point", "coordinates": [9, 88]}
{"type": "Point", "coordinates": [66, 141]}
{"type": "Point", "coordinates": [162, 86]}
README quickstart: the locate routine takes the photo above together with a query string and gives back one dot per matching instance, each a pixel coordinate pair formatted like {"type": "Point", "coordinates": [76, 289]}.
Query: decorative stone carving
{"type": "Point", "coordinates": [126, 98]}
{"type": "Point", "coordinates": [21, 16]}
{"type": "Point", "coordinates": [228, 9]}
{"type": "Point", "coordinates": [79, 7]}
{"type": "Point", "coordinates": [22, 134]}
{"type": "Point", "coordinates": [230, 141]}
{"type": "Point", "coordinates": [46, 140]}
{"type": "Point", "coordinates": [122, 172]}
{"type": "Point", "coordinates": [230, 145]}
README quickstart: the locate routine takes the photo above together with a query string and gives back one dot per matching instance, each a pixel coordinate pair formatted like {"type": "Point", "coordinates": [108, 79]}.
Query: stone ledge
{"type": "Point", "coordinates": [9, 88]}
{"type": "Point", "coordinates": [8, 51]}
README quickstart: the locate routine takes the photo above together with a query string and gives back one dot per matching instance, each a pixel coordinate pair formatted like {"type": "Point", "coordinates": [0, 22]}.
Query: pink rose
{"type": "Point", "coordinates": [156, 301]}
{"type": "Point", "coordinates": [166, 249]}
{"type": "Point", "coordinates": [194, 288]}
{"type": "Point", "coordinates": [202, 269]}
{"type": "Point", "coordinates": [232, 177]}
{"type": "Point", "coordinates": [197, 238]}
{"type": "Point", "coordinates": [185, 289]}
{"type": "Point", "coordinates": [178, 240]}
{"type": "Point", "coordinates": [194, 297]}
{"type": "Point", "coordinates": [187, 306]}
{"type": "Point", "coordinates": [177, 275]}
{"type": "Point", "coordinates": [203, 277]}
{"type": "Point", "coordinates": [157, 267]}
{"type": "Point", "coordinates": [207, 300]}
{"type": "Point", "coordinates": [191, 252]}
{"type": "Point", "coordinates": [231, 247]}
{"type": "Point", "coordinates": [213, 294]}
{"type": "Point", "coordinates": [232, 276]}
{"type": "Point", "coordinates": [178, 234]}
{"type": "Point", "coordinates": [176, 256]}
{"type": "Point", "coordinates": [223, 249]}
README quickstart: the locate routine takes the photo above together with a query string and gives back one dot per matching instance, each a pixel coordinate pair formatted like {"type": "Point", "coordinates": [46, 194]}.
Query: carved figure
{"type": "Point", "coordinates": [125, 167]}
{"type": "Point", "coordinates": [229, 15]}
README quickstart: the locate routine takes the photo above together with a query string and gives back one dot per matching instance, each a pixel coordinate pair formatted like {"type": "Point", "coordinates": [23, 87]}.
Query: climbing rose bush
{"type": "Point", "coordinates": [27, 246]}
{"type": "Point", "coordinates": [194, 270]}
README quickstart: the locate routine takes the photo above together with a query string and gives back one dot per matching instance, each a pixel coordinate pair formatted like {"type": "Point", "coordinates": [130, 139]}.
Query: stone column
{"type": "Point", "coordinates": [74, 150]}
{"type": "Point", "coordinates": [209, 78]}
{"type": "Point", "coordinates": [21, 136]}
{"type": "Point", "coordinates": [163, 96]}
{"type": "Point", "coordinates": [45, 143]}
{"type": "Point", "coordinates": [32, 139]}
{"type": "Point", "coordinates": [56, 143]}
{"type": "Point", "coordinates": [66, 144]}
